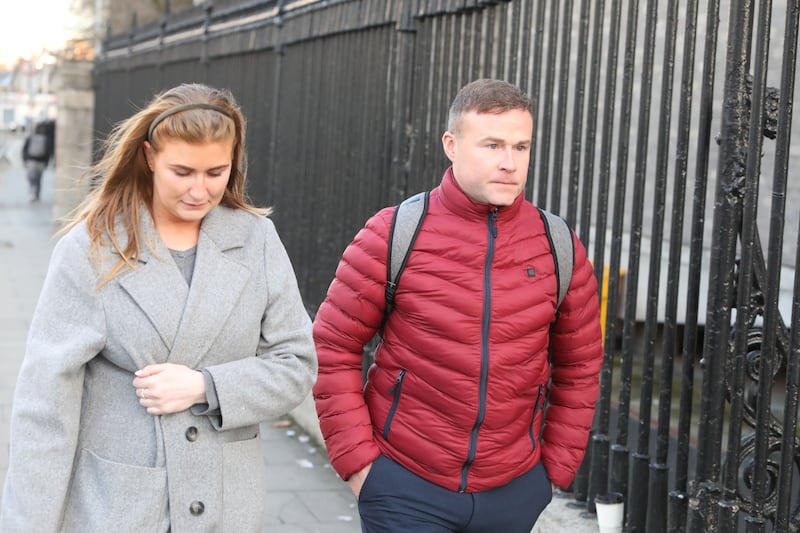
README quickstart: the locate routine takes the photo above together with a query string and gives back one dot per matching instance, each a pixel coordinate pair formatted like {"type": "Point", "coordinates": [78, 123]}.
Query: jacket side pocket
{"type": "Point", "coordinates": [395, 391]}
{"type": "Point", "coordinates": [532, 429]}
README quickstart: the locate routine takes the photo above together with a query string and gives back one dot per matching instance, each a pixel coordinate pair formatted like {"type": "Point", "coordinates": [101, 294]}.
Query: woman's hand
{"type": "Point", "coordinates": [169, 388]}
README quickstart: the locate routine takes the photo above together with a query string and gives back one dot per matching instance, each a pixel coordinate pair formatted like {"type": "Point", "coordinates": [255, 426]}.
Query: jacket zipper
{"type": "Point", "coordinates": [534, 438]}
{"type": "Point", "coordinates": [487, 306]}
{"type": "Point", "coordinates": [394, 389]}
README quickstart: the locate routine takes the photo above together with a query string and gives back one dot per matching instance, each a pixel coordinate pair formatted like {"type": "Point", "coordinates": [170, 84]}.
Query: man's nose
{"type": "Point", "coordinates": [508, 162]}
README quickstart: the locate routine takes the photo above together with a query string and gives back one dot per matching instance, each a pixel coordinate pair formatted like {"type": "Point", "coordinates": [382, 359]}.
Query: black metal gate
{"type": "Point", "coordinates": [651, 117]}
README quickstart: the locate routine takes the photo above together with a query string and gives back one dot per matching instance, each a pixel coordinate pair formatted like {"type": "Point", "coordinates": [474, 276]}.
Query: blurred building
{"type": "Point", "coordinates": [119, 16]}
{"type": "Point", "coordinates": [27, 92]}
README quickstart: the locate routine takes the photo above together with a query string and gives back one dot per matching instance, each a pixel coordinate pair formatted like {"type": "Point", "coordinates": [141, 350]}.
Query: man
{"type": "Point", "coordinates": [463, 423]}
{"type": "Point", "coordinates": [36, 153]}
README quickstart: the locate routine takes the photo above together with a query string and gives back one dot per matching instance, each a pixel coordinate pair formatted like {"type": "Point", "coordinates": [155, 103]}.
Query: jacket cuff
{"type": "Point", "coordinates": [560, 475]}
{"type": "Point", "coordinates": [354, 461]}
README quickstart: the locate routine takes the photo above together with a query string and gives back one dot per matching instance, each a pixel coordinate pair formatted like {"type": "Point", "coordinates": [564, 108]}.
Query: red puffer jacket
{"type": "Point", "coordinates": [459, 383]}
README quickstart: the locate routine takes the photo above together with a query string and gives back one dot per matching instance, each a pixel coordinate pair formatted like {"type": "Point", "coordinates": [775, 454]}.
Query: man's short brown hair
{"type": "Point", "coordinates": [487, 95]}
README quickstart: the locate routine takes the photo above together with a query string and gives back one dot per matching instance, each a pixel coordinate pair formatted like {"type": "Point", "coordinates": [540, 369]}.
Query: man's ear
{"type": "Point", "coordinates": [148, 155]}
{"type": "Point", "coordinates": [449, 144]}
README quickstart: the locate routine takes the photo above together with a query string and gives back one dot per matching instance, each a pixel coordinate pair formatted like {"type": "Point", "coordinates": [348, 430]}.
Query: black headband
{"type": "Point", "coordinates": [184, 107]}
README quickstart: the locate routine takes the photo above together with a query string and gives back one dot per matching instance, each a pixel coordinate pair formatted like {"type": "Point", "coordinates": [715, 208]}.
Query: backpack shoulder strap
{"type": "Point", "coordinates": [406, 222]}
{"type": "Point", "coordinates": [561, 244]}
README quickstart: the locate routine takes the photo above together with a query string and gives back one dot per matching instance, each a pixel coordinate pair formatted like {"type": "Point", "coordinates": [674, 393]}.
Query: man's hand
{"type": "Point", "coordinates": [169, 388]}
{"type": "Point", "coordinates": [356, 481]}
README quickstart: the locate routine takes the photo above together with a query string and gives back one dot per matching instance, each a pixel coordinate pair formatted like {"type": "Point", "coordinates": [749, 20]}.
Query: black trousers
{"type": "Point", "coordinates": [34, 171]}
{"type": "Point", "coordinates": [394, 500]}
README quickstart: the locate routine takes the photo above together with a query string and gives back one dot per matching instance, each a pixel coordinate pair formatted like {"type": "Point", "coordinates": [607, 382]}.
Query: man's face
{"type": "Point", "coordinates": [490, 153]}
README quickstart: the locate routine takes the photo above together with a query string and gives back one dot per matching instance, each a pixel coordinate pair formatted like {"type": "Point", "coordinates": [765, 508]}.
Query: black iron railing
{"type": "Point", "coordinates": [347, 100]}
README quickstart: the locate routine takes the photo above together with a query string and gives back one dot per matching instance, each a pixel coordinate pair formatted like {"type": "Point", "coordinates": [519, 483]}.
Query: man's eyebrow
{"type": "Point", "coordinates": [501, 141]}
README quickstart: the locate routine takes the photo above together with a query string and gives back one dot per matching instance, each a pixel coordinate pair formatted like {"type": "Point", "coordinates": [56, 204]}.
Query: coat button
{"type": "Point", "coordinates": [191, 434]}
{"type": "Point", "coordinates": [197, 508]}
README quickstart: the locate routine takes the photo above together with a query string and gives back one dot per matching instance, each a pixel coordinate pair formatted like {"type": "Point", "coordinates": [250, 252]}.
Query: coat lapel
{"type": "Point", "coordinates": [217, 283]}
{"type": "Point", "coordinates": [157, 286]}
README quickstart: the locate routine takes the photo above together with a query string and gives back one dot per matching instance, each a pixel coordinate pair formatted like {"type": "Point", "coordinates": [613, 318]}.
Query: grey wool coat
{"type": "Point", "coordinates": [85, 455]}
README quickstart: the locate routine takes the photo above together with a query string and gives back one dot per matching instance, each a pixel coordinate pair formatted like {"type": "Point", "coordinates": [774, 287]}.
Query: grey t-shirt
{"type": "Point", "coordinates": [185, 260]}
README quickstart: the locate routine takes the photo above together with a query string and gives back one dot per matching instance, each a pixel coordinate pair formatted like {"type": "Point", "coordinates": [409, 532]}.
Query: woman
{"type": "Point", "coordinates": [169, 326]}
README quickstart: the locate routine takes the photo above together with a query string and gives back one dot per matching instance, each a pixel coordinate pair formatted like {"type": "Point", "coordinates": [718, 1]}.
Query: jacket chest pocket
{"type": "Point", "coordinates": [395, 391]}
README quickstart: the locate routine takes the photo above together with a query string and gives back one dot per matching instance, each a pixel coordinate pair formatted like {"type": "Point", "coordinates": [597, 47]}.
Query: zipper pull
{"type": "Point", "coordinates": [397, 381]}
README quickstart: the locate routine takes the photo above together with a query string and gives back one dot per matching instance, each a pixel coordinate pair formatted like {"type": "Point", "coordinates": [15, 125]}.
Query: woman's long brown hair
{"type": "Point", "coordinates": [125, 183]}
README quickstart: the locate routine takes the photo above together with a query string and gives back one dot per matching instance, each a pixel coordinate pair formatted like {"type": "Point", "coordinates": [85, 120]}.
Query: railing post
{"type": "Point", "coordinates": [598, 475]}
{"type": "Point", "coordinates": [132, 32]}
{"type": "Point", "coordinates": [276, 95]}
{"type": "Point", "coordinates": [679, 501]}
{"type": "Point", "coordinates": [782, 153]}
{"type": "Point", "coordinates": [404, 83]}
{"type": "Point", "coordinates": [208, 7]}
{"type": "Point", "coordinates": [727, 218]}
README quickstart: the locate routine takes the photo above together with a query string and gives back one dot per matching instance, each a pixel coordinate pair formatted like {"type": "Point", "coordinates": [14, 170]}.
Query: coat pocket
{"type": "Point", "coordinates": [110, 496]}
{"type": "Point", "coordinates": [243, 485]}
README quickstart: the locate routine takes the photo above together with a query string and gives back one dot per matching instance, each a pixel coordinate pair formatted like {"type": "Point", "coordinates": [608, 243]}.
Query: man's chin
{"type": "Point", "coordinates": [503, 201]}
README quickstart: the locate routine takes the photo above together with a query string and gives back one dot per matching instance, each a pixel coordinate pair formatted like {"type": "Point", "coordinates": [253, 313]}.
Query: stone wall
{"type": "Point", "coordinates": [74, 139]}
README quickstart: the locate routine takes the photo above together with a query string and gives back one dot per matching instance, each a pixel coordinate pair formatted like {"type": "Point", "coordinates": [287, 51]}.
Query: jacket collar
{"type": "Point", "coordinates": [220, 225]}
{"type": "Point", "coordinates": [456, 200]}
{"type": "Point", "coordinates": [225, 228]}
{"type": "Point", "coordinates": [186, 322]}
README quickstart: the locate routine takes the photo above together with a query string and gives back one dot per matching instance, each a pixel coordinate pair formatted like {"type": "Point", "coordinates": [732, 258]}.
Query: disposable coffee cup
{"type": "Point", "coordinates": [610, 512]}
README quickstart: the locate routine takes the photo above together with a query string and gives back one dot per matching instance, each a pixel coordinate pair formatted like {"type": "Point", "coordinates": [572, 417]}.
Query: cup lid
{"type": "Point", "coordinates": [609, 498]}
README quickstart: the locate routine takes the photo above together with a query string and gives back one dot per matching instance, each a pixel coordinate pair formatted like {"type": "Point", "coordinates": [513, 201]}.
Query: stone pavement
{"type": "Point", "coordinates": [25, 246]}
{"type": "Point", "coordinates": [303, 494]}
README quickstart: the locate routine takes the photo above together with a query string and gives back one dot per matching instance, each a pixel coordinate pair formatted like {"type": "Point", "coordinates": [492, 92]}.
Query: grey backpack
{"type": "Point", "coordinates": [407, 221]}
{"type": "Point", "coordinates": [37, 146]}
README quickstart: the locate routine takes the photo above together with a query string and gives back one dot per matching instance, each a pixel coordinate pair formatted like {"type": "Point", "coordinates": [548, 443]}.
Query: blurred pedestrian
{"type": "Point", "coordinates": [169, 326]}
{"type": "Point", "coordinates": [483, 387]}
{"type": "Point", "coordinates": [36, 153]}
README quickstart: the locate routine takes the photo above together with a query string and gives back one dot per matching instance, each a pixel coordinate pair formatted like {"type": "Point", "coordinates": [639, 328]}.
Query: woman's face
{"type": "Point", "coordinates": [188, 179]}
